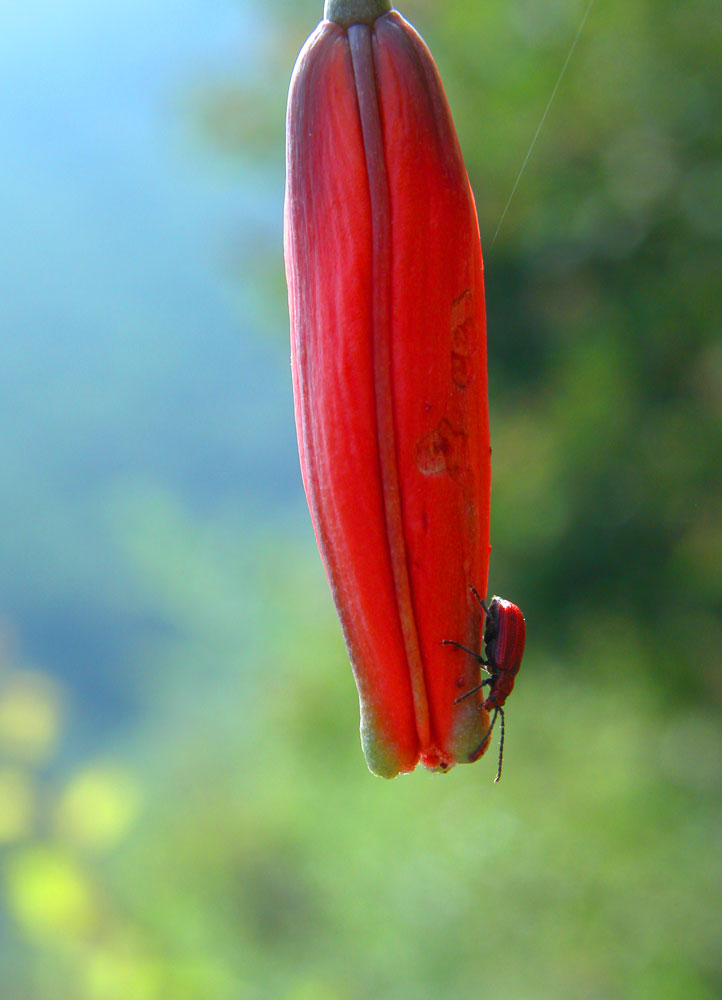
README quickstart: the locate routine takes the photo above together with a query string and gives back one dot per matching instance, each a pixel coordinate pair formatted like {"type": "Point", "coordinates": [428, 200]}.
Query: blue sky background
{"type": "Point", "coordinates": [130, 352]}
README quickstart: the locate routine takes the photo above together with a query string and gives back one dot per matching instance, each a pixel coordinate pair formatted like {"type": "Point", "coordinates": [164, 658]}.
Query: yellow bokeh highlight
{"type": "Point", "coordinates": [17, 805]}
{"type": "Point", "coordinates": [98, 807]}
{"type": "Point", "coordinates": [30, 716]}
{"type": "Point", "coordinates": [114, 975]}
{"type": "Point", "coordinates": [49, 895]}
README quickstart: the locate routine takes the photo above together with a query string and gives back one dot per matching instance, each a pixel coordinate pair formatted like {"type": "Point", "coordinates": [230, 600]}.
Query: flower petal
{"type": "Point", "coordinates": [389, 362]}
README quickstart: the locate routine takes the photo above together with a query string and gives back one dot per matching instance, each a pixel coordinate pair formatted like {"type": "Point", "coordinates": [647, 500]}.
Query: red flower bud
{"type": "Point", "coordinates": [388, 343]}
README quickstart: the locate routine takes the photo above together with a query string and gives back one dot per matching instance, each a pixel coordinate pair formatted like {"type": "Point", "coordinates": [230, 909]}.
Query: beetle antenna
{"type": "Point", "coordinates": [501, 746]}
{"type": "Point", "coordinates": [487, 734]}
{"type": "Point", "coordinates": [475, 592]}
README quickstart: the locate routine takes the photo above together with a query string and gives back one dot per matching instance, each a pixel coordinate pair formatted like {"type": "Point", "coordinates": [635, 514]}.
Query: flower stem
{"type": "Point", "coordinates": [348, 12]}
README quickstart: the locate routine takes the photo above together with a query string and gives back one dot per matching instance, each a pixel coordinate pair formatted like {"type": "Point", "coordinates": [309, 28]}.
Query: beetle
{"type": "Point", "coordinates": [504, 638]}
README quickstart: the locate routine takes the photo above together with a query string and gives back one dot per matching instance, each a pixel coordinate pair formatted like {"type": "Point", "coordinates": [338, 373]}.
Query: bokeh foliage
{"type": "Point", "coordinates": [224, 840]}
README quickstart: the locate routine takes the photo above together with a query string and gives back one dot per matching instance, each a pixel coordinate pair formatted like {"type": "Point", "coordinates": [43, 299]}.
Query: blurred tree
{"type": "Point", "coordinates": [603, 299]}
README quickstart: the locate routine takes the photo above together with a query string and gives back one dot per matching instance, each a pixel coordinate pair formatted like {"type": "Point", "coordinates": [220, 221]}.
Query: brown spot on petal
{"type": "Point", "coordinates": [443, 450]}
{"type": "Point", "coordinates": [462, 371]}
{"type": "Point", "coordinates": [463, 339]}
{"type": "Point", "coordinates": [461, 308]}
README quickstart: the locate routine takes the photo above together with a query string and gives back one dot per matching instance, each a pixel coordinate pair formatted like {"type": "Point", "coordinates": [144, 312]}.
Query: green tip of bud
{"type": "Point", "coordinates": [348, 12]}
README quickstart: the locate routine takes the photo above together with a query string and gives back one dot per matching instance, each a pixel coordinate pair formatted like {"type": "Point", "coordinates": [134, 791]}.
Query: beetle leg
{"type": "Point", "coordinates": [468, 694]}
{"type": "Point", "coordinates": [473, 691]}
{"type": "Point", "coordinates": [477, 657]}
{"type": "Point", "coordinates": [475, 592]}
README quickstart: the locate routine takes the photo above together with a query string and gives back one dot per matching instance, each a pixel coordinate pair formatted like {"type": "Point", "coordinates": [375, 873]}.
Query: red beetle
{"type": "Point", "coordinates": [504, 638]}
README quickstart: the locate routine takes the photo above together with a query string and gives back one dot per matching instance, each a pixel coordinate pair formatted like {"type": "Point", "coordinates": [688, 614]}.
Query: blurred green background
{"type": "Point", "coordinates": [185, 813]}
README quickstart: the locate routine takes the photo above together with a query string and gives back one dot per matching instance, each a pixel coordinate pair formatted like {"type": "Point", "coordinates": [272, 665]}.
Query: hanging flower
{"type": "Point", "coordinates": [388, 344]}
